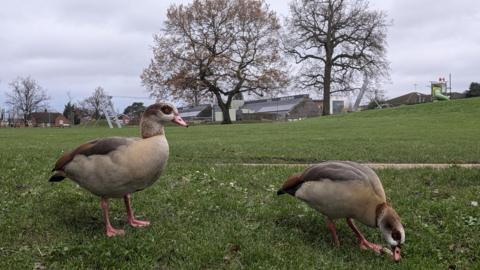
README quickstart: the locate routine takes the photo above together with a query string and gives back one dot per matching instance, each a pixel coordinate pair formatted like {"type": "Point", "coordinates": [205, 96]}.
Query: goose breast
{"type": "Point", "coordinates": [130, 166]}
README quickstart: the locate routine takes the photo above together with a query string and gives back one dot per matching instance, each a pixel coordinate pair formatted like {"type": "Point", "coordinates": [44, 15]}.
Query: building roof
{"type": "Point", "coordinates": [123, 116]}
{"type": "Point", "coordinates": [281, 104]}
{"type": "Point", "coordinates": [410, 98]}
{"type": "Point", "coordinates": [192, 111]}
{"type": "Point", "coordinates": [45, 117]}
{"type": "Point", "coordinates": [457, 95]}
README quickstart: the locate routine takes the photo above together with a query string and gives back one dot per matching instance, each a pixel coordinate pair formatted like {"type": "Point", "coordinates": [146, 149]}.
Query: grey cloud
{"type": "Point", "coordinates": [77, 45]}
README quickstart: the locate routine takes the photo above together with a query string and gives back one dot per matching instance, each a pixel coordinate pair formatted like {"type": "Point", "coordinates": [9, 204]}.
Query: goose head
{"type": "Point", "coordinates": [392, 230]}
{"type": "Point", "coordinates": [157, 115]}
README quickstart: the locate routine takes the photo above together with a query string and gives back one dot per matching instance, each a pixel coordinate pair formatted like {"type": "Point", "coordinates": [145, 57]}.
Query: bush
{"type": "Point", "coordinates": [473, 90]}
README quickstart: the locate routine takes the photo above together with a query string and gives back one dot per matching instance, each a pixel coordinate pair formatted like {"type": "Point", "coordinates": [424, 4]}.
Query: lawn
{"type": "Point", "coordinates": [210, 216]}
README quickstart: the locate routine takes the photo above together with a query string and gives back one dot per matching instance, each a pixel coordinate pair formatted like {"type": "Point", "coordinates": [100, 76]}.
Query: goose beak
{"type": "Point", "coordinates": [179, 121]}
{"type": "Point", "coordinates": [396, 254]}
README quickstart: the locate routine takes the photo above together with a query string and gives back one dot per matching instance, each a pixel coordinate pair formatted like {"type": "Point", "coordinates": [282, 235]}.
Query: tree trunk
{"type": "Point", "coordinates": [228, 105]}
{"type": "Point", "coordinates": [326, 88]}
{"type": "Point", "coordinates": [195, 99]}
{"type": "Point", "coordinates": [226, 115]}
{"type": "Point", "coordinates": [326, 103]}
{"type": "Point", "coordinates": [225, 107]}
{"type": "Point", "coordinates": [196, 94]}
{"type": "Point", "coordinates": [329, 47]}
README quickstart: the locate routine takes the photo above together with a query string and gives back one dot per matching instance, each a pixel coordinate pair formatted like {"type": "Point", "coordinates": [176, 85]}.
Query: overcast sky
{"type": "Point", "coordinates": [73, 46]}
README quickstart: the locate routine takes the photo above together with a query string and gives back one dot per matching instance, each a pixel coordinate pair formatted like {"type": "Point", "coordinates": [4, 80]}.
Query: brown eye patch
{"type": "Point", "coordinates": [166, 109]}
{"type": "Point", "coordinates": [396, 235]}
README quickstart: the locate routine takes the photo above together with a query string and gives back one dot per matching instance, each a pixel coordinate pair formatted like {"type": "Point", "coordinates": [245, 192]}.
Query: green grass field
{"type": "Point", "coordinates": [210, 216]}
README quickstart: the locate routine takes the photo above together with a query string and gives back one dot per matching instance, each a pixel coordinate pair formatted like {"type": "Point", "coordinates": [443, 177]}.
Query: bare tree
{"type": "Point", "coordinates": [26, 96]}
{"type": "Point", "coordinates": [93, 103]}
{"type": "Point", "coordinates": [218, 48]}
{"type": "Point", "coordinates": [336, 42]}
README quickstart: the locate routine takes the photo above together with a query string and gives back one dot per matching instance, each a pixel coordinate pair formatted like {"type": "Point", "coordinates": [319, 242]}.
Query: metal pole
{"type": "Point", "coordinates": [108, 118]}
{"type": "Point", "coordinates": [365, 83]}
{"type": "Point", "coordinates": [450, 83]}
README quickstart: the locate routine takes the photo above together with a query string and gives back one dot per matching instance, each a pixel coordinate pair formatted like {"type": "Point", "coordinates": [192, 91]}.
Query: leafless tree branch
{"type": "Point", "coordinates": [336, 42]}
{"type": "Point", "coordinates": [27, 96]}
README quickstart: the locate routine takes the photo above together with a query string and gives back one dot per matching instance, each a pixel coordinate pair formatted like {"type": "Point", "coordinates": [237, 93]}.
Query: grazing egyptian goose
{"type": "Point", "coordinates": [115, 167]}
{"type": "Point", "coordinates": [344, 189]}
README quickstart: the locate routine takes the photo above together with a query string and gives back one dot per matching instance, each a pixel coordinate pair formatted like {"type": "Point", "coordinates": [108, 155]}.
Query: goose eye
{"type": "Point", "coordinates": [166, 109]}
{"type": "Point", "coordinates": [388, 226]}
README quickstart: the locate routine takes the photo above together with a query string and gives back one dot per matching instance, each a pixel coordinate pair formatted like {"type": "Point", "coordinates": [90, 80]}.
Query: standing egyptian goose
{"type": "Point", "coordinates": [344, 189]}
{"type": "Point", "coordinates": [115, 167]}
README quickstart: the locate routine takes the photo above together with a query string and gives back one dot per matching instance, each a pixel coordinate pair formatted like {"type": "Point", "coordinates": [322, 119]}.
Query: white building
{"type": "Point", "coordinates": [235, 105]}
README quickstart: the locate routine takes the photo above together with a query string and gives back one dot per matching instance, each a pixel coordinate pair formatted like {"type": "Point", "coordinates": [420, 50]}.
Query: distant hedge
{"type": "Point", "coordinates": [473, 90]}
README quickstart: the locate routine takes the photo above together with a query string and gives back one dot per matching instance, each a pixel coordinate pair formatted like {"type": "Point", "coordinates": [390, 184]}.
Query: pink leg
{"type": "Point", "coordinates": [131, 219]}
{"type": "Point", "coordinates": [364, 244]}
{"type": "Point", "coordinates": [333, 231]}
{"type": "Point", "coordinates": [109, 230]}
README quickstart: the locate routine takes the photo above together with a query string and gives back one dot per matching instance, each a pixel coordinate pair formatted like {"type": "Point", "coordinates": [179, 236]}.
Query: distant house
{"type": "Point", "coordinates": [409, 99]}
{"type": "Point", "coordinates": [124, 119]}
{"type": "Point", "coordinates": [234, 111]}
{"type": "Point", "coordinates": [201, 112]}
{"type": "Point", "coordinates": [12, 122]}
{"type": "Point", "coordinates": [16, 122]}
{"type": "Point", "coordinates": [48, 119]}
{"type": "Point", "coordinates": [456, 95]}
{"type": "Point", "coordinates": [319, 104]}
{"type": "Point", "coordinates": [282, 108]}
{"type": "Point", "coordinates": [338, 104]}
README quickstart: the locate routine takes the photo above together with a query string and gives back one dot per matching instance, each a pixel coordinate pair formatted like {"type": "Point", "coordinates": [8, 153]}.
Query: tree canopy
{"type": "Point", "coordinates": [135, 110]}
{"type": "Point", "coordinates": [474, 90]}
{"type": "Point", "coordinates": [72, 113]}
{"type": "Point", "coordinates": [217, 48]}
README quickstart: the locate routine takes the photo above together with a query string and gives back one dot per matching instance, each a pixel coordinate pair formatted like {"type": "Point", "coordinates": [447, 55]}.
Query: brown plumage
{"type": "Point", "coordinates": [94, 147]}
{"type": "Point", "coordinates": [115, 167]}
{"type": "Point", "coordinates": [345, 189]}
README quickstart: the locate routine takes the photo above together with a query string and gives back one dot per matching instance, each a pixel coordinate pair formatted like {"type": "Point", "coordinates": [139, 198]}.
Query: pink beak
{"type": "Point", "coordinates": [396, 254]}
{"type": "Point", "coordinates": [179, 121]}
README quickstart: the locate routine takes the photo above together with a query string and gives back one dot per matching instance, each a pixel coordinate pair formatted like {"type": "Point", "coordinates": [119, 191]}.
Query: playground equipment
{"type": "Point", "coordinates": [363, 89]}
{"type": "Point", "coordinates": [439, 90]}
{"type": "Point", "coordinates": [109, 112]}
